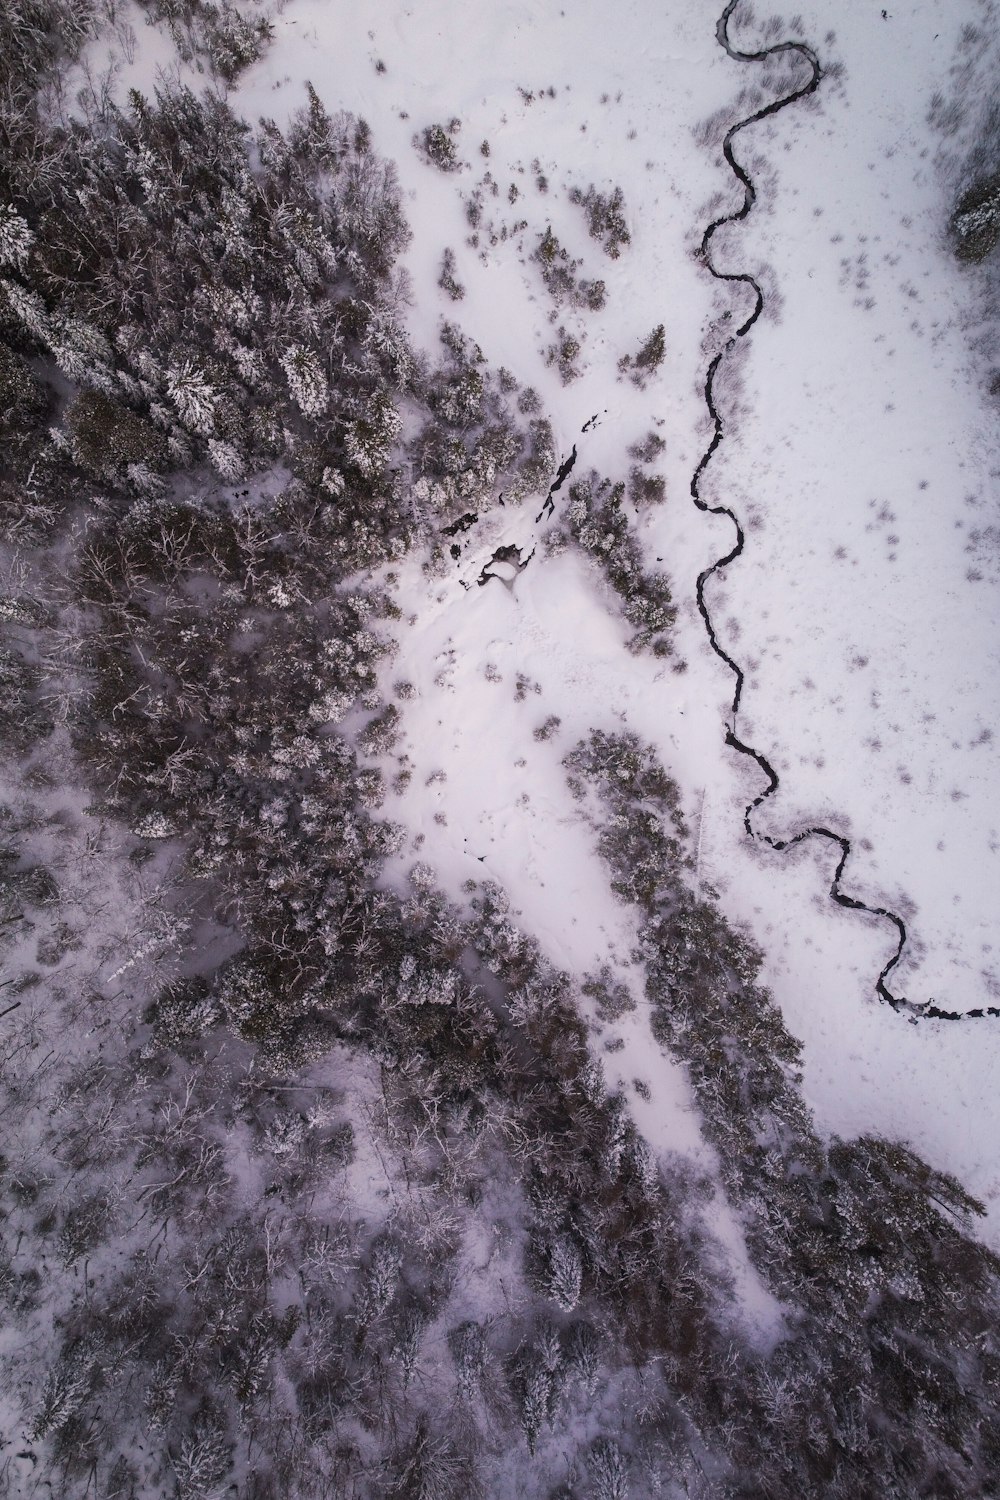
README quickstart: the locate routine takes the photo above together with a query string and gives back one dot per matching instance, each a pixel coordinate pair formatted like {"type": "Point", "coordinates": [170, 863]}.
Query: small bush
{"type": "Point", "coordinates": [447, 281]}
{"type": "Point", "coordinates": [437, 145]}
{"type": "Point", "coordinates": [546, 730]}
{"type": "Point", "coordinates": [613, 998]}
{"type": "Point", "coordinates": [564, 354]}
{"type": "Point", "coordinates": [649, 359]}
{"type": "Point", "coordinates": [605, 218]}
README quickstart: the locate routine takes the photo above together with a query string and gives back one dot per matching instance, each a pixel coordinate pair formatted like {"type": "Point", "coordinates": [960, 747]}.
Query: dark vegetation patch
{"type": "Point", "coordinates": [598, 523]}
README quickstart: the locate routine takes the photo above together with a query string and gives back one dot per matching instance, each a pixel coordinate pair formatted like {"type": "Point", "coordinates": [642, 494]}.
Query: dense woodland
{"type": "Point", "coordinates": [220, 1022]}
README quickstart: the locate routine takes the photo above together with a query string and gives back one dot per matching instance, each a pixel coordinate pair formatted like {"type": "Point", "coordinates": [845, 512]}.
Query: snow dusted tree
{"type": "Point", "coordinates": [16, 238]}
{"type": "Point", "coordinates": [380, 1284]}
{"type": "Point", "coordinates": [536, 1396]}
{"type": "Point", "coordinates": [432, 1468]}
{"type": "Point", "coordinates": [470, 1352]}
{"type": "Point", "coordinates": [81, 352]}
{"type": "Point", "coordinates": [583, 1356]}
{"type": "Point", "coordinates": [565, 1273]}
{"type": "Point", "coordinates": [438, 146]}
{"type": "Point", "coordinates": [67, 1387]}
{"type": "Point", "coordinates": [369, 441]}
{"type": "Point", "coordinates": [422, 984]}
{"type": "Point", "coordinates": [386, 340]}
{"type": "Point", "coordinates": [285, 1133]}
{"type": "Point", "coordinates": [27, 307]}
{"type": "Point", "coordinates": [192, 395]}
{"type": "Point", "coordinates": [308, 384]}
{"type": "Point", "coordinates": [231, 40]}
{"type": "Point", "coordinates": [202, 1460]}
{"type": "Point", "coordinates": [608, 1471]}
{"type": "Point", "coordinates": [538, 1379]}
{"type": "Point", "coordinates": [226, 460]}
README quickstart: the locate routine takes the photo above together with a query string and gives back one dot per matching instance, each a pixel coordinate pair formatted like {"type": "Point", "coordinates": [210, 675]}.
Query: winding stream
{"type": "Point", "coordinates": [839, 841]}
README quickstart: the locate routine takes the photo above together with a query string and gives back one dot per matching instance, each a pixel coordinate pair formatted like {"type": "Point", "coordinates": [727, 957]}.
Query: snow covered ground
{"type": "Point", "coordinates": [863, 609]}
{"type": "Point", "coordinates": [858, 452]}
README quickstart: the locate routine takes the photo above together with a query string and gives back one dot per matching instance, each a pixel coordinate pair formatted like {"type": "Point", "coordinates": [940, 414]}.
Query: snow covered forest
{"type": "Point", "coordinates": [499, 860]}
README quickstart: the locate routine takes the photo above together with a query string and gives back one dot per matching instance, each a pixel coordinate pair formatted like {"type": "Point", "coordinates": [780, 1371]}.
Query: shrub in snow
{"type": "Point", "coordinates": [437, 145]}
{"type": "Point", "coordinates": [599, 525]}
{"type": "Point", "coordinates": [645, 489]}
{"type": "Point", "coordinates": [605, 218]}
{"type": "Point", "coordinates": [649, 449]}
{"type": "Point", "coordinates": [649, 359]}
{"type": "Point", "coordinates": [546, 730]}
{"type": "Point", "coordinates": [564, 354]}
{"type": "Point", "coordinates": [592, 294]}
{"type": "Point", "coordinates": [233, 41]}
{"type": "Point", "coordinates": [557, 268]}
{"type": "Point", "coordinates": [447, 281]}
{"type": "Point", "coordinates": [381, 733]}
{"type": "Point", "coordinates": [650, 356]}
{"type": "Point", "coordinates": [613, 998]}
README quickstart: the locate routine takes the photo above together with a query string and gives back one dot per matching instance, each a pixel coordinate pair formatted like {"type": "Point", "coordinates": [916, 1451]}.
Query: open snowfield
{"type": "Point", "coordinates": [859, 454]}
{"type": "Point", "coordinates": [863, 609]}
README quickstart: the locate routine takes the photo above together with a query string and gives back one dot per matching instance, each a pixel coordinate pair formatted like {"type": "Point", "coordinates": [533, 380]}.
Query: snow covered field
{"type": "Point", "coordinates": [858, 452]}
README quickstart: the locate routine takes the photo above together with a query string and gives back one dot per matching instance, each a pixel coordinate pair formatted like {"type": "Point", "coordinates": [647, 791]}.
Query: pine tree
{"type": "Point", "coordinates": [565, 1273]}
{"type": "Point", "coordinates": [226, 460]}
{"type": "Point", "coordinates": [608, 1470]}
{"type": "Point", "coordinates": [192, 395]}
{"type": "Point", "coordinates": [202, 1459]}
{"type": "Point", "coordinates": [535, 1398]}
{"type": "Point", "coordinates": [16, 237]}
{"type": "Point", "coordinates": [306, 380]}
